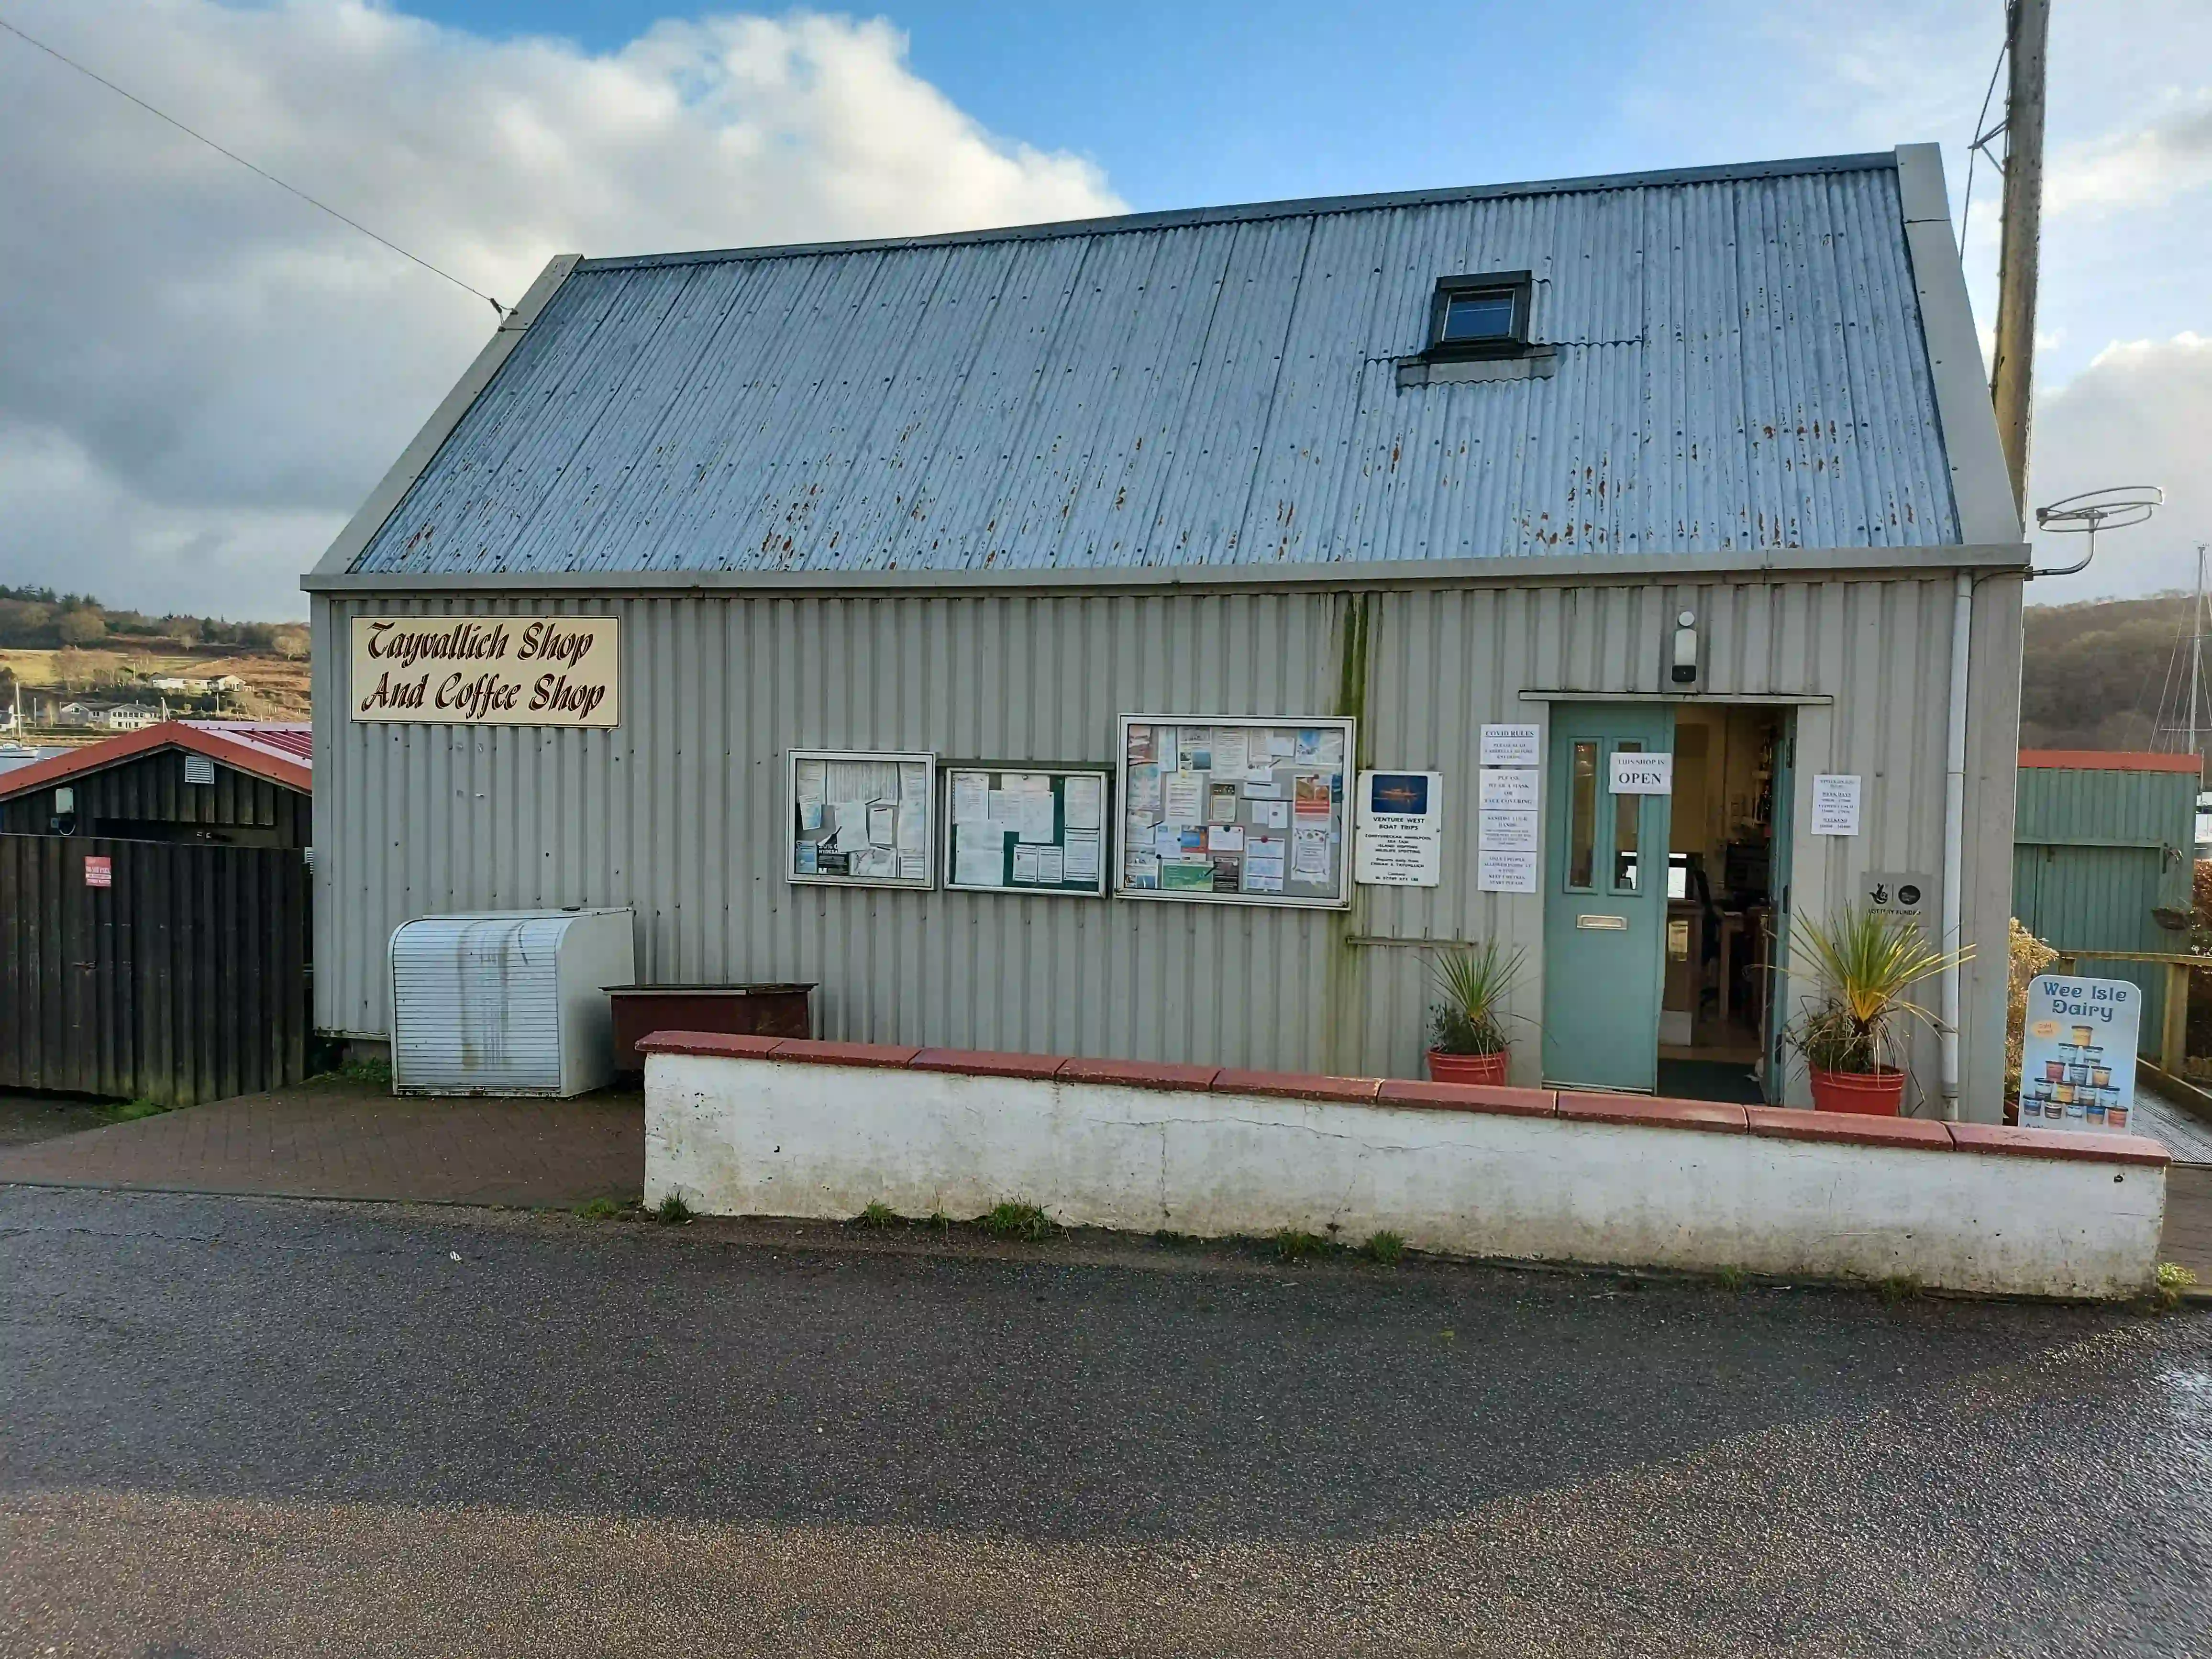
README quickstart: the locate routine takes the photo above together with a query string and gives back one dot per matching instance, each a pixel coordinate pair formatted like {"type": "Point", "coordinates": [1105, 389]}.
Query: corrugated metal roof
{"type": "Point", "coordinates": [1739, 364]}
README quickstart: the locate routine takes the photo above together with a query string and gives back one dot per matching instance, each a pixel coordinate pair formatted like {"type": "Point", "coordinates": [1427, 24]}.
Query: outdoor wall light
{"type": "Point", "coordinates": [1686, 649]}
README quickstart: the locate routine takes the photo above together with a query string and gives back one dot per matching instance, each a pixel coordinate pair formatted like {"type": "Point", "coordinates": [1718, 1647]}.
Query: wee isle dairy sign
{"type": "Point", "coordinates": [486, 670]}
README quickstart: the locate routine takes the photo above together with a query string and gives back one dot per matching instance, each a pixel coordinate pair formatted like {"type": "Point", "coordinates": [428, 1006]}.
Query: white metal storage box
{"type": "Point", "coordinates": [507, 1002]}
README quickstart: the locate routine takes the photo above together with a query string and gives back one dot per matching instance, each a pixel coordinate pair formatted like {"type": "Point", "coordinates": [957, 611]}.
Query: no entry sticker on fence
{"type": "Point", "coordinates": [99, 872]}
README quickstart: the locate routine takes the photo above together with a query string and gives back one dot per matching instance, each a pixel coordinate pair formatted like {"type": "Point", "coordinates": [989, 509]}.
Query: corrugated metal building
{"type": "Point", "coordinates": [979, 496]}
{"type": "Point", "coordinates": [2103, 840]}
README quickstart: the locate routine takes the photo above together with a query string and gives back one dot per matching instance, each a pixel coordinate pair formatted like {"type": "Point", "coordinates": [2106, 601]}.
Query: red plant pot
{"type": "Point", "coordinates": [1467, 1068]}
{"type": "Point", "coordinates": [1876, 1094]}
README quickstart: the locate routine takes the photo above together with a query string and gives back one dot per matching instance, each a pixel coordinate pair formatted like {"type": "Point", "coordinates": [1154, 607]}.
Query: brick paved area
{"type": "Point", "coordinates": [334, 1140]}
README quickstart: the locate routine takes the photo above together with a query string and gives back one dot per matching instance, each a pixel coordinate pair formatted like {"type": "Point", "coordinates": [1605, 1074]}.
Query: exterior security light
{"type": "Point", "coordinates": [1686, 649]}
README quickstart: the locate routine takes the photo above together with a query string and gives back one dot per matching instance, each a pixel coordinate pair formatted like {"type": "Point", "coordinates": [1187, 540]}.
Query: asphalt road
{"type": "Point", "coordinates": [233, 1427]}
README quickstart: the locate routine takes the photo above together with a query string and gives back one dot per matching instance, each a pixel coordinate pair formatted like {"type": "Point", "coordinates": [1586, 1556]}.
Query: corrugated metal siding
{"type": "Point", "coordinates": [151, 789]}
{"type": "Point", "coordinates": [677, 810]}
{"type": "Point", "coordinates": [1739, 365]}
{"type": "Point", "coordinates": [2083, 806]}
{"type": "Point", "coordinates": [2095, 851]}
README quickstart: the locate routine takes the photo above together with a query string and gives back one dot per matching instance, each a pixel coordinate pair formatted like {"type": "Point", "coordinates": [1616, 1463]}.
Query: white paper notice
{"type": "Point", "coordinates": [1505, 873]}
{"type": "Point", "coordinates": [1083, 800]}
{"type": "Point", "coordinates": [1836, 804]}
{"type": "Point", "coordinates": [1050, 866]}
{"type": "Point", "coordinates": [808, 783]}
{"type": "Point", "coordinates": [1035, 822]}
{"type": "Point", "coordinates": [1184, 797]}
{"type": "Point", "coordinates": [883, 824]}
{"type": "Point", "coordinates": [913, 867]}
{"type": "Point", "coordinates": [1003, 808]}
{"type": "Point", "coordinates": [1508, 789]}
{"type": "Point", "coordinates": [1025, 866]}
{"type": "Point", "coordinates": [1508, 832]}
{"type": "Point", "coordinates": [1513, 746]}
{"type": "Point", "coordinates": [1272, 814]}
{"type": "Point", "coordinates": [1636, 773]}
{"type": "Point", "coordinates": [1082, 855]}
{"type": "Point", "coordinates": [971, 798]}
{"type": "Point", "coordinates": [1230, 748]}
{"type": "Point", "coordinates": [913, 830]}
{"type": "Point", "coordinates": [914, 784]}
{"type": "Point", "coordinates": [1309, 854]}
{"type": "Point", "coordinates": [1225, 838]}
{"type": "Point", "coordinates": [978, 860]}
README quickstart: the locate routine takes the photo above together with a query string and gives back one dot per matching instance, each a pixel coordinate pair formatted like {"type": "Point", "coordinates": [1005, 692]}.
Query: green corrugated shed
{"type": "Point", "coordinates": [2100, 839]}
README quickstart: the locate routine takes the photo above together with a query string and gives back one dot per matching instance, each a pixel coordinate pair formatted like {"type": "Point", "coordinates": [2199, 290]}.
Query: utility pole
{"type": "Point", "coordinates": [2012, 377]}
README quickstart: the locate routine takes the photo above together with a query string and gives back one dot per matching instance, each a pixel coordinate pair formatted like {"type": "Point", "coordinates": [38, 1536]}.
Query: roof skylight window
{"type": "Point", "coordinates": [1483, 315]}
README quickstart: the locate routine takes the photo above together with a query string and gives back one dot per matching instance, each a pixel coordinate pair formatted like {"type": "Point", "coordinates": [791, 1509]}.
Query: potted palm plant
{"type": "Point", "coordinates": [1468, 1023]}
{"type": "Point", "coordinates": [1852, 1036]}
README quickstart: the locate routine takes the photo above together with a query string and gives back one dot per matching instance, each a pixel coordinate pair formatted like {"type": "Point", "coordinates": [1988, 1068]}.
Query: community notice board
{"type": "Point", "coordinates": [862, 820]}
{"type": "Point", "coordinates": [1245, 811]}
{"type": "Point", "coordinates": [1026, 829]}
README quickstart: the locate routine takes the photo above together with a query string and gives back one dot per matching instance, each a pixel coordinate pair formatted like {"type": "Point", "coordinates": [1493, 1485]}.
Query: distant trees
{"type": "Point", "coordinates": [37, 618]}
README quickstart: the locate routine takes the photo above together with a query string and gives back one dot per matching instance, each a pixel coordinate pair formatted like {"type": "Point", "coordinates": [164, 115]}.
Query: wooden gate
{"type": "Point", "coordinates": [169, 971]}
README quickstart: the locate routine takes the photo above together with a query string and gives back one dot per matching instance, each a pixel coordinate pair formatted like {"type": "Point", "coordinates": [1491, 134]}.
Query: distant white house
{"type": "Point", "coordinates": [196, 687]}
{"type": "Point", "coordinates": [112, 717]}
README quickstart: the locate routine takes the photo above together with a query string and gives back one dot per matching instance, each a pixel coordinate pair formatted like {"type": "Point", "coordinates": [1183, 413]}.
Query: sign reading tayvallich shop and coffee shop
{"type": "Point", "coordinates": [486, 670]}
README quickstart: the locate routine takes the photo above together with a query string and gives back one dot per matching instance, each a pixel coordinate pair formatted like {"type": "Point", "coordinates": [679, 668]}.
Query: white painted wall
{"type": "Point", "coordinates": [757, 1137]}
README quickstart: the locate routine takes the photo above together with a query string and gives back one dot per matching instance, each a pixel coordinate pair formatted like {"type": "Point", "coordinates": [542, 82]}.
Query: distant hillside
{"type": "Point", "coordinates": [56, 648]}
{"type": "Point", "coordinates": [39, 619]}
{"type": "Point", "coordinates": [2106, 674]}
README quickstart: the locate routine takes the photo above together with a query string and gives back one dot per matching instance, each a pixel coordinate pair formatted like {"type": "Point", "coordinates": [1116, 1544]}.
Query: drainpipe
{"type": "Point", "coordinates": [1954, 837]}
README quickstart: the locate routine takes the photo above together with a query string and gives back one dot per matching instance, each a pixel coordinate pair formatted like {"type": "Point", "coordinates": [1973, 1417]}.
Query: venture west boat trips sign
{"type": "Point", "coordinates": [476, 671]}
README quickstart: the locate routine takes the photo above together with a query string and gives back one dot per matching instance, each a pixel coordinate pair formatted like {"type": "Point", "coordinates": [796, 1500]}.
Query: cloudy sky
{"type": "Point", "coordinates": [200, 377]}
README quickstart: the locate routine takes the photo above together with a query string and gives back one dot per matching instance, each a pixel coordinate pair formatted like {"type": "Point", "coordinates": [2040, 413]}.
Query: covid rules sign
{"type": "Point", "coordinates": [486, 670]}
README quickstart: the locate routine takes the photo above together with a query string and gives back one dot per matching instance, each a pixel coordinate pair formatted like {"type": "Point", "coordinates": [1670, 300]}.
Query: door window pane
{"type": "Point", "coordinates": [1582, 817]}
{"type": "Point", "coordinates": [1627, 819]}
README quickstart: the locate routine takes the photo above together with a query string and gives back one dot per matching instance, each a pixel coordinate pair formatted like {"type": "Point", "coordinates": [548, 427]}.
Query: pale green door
{"type": "Point", "coordinates": [1605, 899]}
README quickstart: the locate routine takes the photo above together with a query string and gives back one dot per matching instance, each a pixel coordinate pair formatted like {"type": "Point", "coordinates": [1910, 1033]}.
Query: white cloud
{"type": "Point", "coordinates": [200, 377]}
{"type": "Point", "coordinates": [2145, 166]}
{"type": "Point", "coordinates": [2138, 414]}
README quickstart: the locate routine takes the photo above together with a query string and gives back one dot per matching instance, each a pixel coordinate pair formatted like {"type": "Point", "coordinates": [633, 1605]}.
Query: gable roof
{"type": "Point", "coordinates": [1740, 362]}
{"type": "Point", "coordinates": [282, 752]}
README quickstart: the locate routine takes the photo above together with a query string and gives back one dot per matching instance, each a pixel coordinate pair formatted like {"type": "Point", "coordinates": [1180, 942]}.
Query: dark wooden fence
{"type": "Point", "coordinates": [184, 980]}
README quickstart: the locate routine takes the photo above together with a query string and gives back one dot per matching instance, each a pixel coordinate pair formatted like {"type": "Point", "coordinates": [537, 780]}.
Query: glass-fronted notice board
{"type": "Point", "coordinates": [1026, 829]}
{"type": "Point", "coordinates": [861, 820]}
{"type": "Point", "coordinates": [1230, 811]}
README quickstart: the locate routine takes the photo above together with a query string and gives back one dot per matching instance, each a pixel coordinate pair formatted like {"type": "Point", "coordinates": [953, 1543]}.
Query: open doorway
{"type": "Point", "coordinates": [1726, 875]}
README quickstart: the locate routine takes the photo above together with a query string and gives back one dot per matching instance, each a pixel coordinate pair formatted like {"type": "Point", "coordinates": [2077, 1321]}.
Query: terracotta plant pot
{"type": "Point", "coordinates": [1467, 1068]}
{"type": "Point", "coordinates": [1876, 1094]}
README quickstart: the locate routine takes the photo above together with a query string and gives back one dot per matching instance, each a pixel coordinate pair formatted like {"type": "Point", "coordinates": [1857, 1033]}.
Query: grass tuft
{"type": "Point", "coordinates": [600, 1209]}
{"type": "Point", "coordinates": [130, 1111]}
{"type": "Point", "coordinates": [2174, 1283]}
{"type": "Point", "coordinates": [1171, 1238]}
{"type": "Point", "coordinates": [673, 1212]}
{"type": "Point", "coordinates": [1732, 1280]}
{"type": "Point", "coordinates": [1898, 1287]}
{"type": "Point", "coordinates": [1385, 1248]}
{"type": "Point", "coordinates": [1012, 1219]}
{"type": "Point", "coordinates": [1292, 1245]}
{"type": "Point", "coordinates": [878, 1214]}
{"type": "Point", "coordinates": [378, 1071]}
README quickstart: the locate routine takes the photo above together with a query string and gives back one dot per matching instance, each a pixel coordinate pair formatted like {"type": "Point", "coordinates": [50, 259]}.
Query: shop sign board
{"type": "Point", "coordinates": [2078, 1057]}
{"type": "Point", "coordinates": [486, 670]}
{"type": "Point", "coordinates": [1636, 772]}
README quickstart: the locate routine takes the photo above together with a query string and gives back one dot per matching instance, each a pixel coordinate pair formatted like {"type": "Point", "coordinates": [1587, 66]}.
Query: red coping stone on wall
{"type": "Point", "coordinates": [979, 1063]}
{"type": "Point", "coordinates": [1470, 1098]}
{"type": "Point", "coordinates": [1719, 1116]}
{"type": "Point", "coordinates": [1849, 1128]}
{"type": "Point", "coordinates": [2067, 1144]}
{"type": "Point", "coordinates": [844, 1054]}
{"type": "Point", "coordinates": [1296, 1085]}
{"type": "Point", "coordinates": [726, 1044]}
{"type": "Point", "coordinates": [1139, 1074]}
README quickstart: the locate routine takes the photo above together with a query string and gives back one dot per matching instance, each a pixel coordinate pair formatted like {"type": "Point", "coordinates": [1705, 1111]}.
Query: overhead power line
{"type": "Point", "coordinates": [263, 173]}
